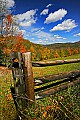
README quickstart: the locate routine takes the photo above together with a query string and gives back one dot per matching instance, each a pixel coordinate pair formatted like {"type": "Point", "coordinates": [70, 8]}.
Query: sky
{"type": "Point", "coordinates": [48, 21]}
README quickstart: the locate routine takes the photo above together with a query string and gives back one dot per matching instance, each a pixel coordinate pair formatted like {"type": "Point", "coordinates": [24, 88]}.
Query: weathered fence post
{"type": "Point", "coordinates": [27, 66]}
{"type": "Point", "coordinates": [18, 78]}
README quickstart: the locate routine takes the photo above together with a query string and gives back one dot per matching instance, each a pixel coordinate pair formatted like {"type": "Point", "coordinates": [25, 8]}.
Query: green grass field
{"type": "Point", "coordinates": [7, 108]}
{"type": "Point", "coordinates": [48, 70]}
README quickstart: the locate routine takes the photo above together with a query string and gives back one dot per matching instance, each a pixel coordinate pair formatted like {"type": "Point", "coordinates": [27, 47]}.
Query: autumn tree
{"type": "Point", "coordinates": [56, 53]}
{"type": "Point", "coordinates": [18, 45]}
{"type": "Point", "coordinates": [70, 51]}
{"type": "Point", "coordinates": [45, 53]}
{"type": "Point", "coordinates": [39, 54]}
{"type": "Point", "coordinates": [33, 51]}
{"type": "Point", "coordinates": [76, 51]}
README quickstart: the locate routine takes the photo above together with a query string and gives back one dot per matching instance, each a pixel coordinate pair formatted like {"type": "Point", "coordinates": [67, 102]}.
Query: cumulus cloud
{"type": "Point", "coordinates": [77, 34]}
{"type": "Point", "coordinates": [66, 25]}
{"type": "Point", "coordinates": [28, 18]}
{"type": "Point", "coordinates": [28, 23]}
{"type": "Point", "coordinates": [57, 15]}
{"type": "Point", "coordinates": [44, 12]}
{"type": "Point", "coordinates": [49, 5]}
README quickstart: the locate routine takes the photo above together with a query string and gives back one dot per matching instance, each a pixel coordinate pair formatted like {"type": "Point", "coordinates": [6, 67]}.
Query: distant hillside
{"type": "Point", "coordinates": [63, 45]}
{"type": "Point", "coordinates": [42, 52]}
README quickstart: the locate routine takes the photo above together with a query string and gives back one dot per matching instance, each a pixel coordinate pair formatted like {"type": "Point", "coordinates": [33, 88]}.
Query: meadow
{"type": "Point", "coordinates": [7, 107]}
{"type": "Point", "coordinates": [48, 70]}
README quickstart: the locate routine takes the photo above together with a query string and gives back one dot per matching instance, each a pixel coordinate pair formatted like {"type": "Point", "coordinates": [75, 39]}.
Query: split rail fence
{"type": "Point", "coordinates": [23, 90]}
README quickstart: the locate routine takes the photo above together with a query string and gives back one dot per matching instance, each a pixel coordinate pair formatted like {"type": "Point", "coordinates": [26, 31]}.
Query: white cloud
{"type": "Point", "coordinates": [32, 38]}
{"type": "Point", "coordinates": [28, 18]}
{"type": "Point", "coordinates": [42, 28]}
{"type": "Point", "coordinates": [44, 12]}
{"type": "Point", "coordinates": [27, 23]}
{"type": "Point", "coordinates": [59, 37]}
{"type": "Point", "coordinates": [44, 37]}
{"type": "Point", "coordinates": [49, 38]}
{"type": "Point", "coordinates": [42, 34]}
{"type": "Point", "coordinates": [10, 3]}
{"type": "Point", "coordinates": [37, 29]}
{"type": "Point", "coordinates": [49, 5]}
{"type": "Point", "coordinates": [77, 34]}
{"type": "Point", "coordinates": [57, 15]}
{"type": "Point", "coordinates": [23, 32]}
{"type": "Point", "coordinates": [67, 25]}
{"type": "Point", "coordinates": [34, 29]}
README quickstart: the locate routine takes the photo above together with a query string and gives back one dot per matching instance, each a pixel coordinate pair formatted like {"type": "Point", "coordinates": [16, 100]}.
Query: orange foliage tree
{"type": "Point", "coordinates": [19, 45]}
{"type": "Point", "coordinates": [70, 51]}
{"type": "Point", "coordinates": [9, 19]}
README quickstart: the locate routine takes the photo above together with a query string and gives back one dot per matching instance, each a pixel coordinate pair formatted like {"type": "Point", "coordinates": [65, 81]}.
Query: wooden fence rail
{"type": "Point", "coordinates": [54, 77]}
{"type": "Point", "coordinates": [56, 89]}
{"type": "Point", "coordinates": [56, 62]}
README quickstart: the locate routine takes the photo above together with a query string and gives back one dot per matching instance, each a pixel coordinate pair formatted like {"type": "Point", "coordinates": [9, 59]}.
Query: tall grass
{"type": "Point", "coordinates": [63, 105]}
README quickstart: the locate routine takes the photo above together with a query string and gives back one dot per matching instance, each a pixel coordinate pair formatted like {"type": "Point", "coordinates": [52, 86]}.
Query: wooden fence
{"type": "Point", "coordinates": [23, 81]}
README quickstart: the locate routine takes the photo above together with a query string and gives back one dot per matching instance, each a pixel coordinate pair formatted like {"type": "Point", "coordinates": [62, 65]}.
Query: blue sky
{"type": "Point", "coordinates": [48, 21]}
